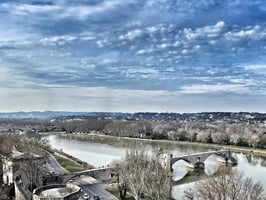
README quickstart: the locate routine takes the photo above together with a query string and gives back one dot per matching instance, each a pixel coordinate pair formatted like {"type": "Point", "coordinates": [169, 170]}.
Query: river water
{"type": "Point", "coordinates": [99, 151]}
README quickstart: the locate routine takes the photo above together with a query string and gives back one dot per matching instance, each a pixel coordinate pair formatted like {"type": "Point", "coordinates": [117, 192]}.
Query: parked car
{"type": "Point", "coordinates": [86, 196]}
{"type": "Point", "coordinates": [96, 197]}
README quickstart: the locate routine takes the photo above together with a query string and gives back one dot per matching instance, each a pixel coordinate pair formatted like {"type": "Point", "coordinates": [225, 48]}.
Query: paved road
{"type": "Point", "coordinates": [97, 189]}
{"type": "Point", "coordinates": [91, 189]}
{"type": "Point", "coordinates": [94, 189]}
{"type": "Point", "coordinates": [54, 166]}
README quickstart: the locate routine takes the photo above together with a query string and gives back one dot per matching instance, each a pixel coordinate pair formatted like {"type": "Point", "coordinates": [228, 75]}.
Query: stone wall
{"type": "Point", "coordinates": [73, 196]}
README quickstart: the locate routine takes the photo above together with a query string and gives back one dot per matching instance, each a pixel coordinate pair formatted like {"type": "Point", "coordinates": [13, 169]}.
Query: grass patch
{"type": "Point", "coordinates": [69, 165]}
{"type": "Point", "coordinates": [115, 192]}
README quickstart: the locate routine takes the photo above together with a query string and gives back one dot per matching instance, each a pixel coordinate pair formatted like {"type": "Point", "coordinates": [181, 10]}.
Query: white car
{"type": "Point", "coordinates": [86, 196]}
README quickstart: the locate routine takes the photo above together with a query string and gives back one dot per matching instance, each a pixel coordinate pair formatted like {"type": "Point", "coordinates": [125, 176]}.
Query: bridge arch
{"type": "Point", "coordinates": [197, 160]}
{"type": "Point", "coordinates": [196, 175]}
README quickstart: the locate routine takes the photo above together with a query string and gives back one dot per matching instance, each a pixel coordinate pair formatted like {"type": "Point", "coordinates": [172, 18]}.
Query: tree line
{"type": "Point", "coordinates": [240, 134]}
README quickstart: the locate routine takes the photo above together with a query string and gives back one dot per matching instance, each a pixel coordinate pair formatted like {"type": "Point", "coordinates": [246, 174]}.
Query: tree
{"type": "Point", "coordinates": [122, 168]}
{"type": "Point", "coordinates": [204, 136]}
{"type": "Point", "coordinates": [32, 168]}
{"type": "Point", "coordinates": [235, 138]}
{"type": "Point", "coordinates": [144, 176]}
{"type": "Point", "coordinates": [29, 163]}
{"type": "Point", "coordinates": [226, 186]}
{"type": "Point", "coordinates": [157, 181]}
{"type": "Point", "coordinates": [6, 144]}
{"type": "Point", "coordinates": [137, 165]}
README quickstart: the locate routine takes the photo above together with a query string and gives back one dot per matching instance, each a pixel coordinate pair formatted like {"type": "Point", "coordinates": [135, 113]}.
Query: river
{"type": "Point", "coordinates": [99, 151]}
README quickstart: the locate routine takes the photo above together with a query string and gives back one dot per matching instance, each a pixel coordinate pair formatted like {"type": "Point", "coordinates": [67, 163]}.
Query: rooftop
{"type": "Point", "coordinates": [56, 192]}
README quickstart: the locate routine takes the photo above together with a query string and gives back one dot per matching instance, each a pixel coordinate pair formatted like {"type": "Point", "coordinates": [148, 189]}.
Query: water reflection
{"type": "Point", "coordinates": [183, 175]}
{"type": "Point", "coordinates": [263, 162]}
{"type": "Point", "coordinates": [253, 160]}
{"type": "Point", "coordinates": [191, 177]}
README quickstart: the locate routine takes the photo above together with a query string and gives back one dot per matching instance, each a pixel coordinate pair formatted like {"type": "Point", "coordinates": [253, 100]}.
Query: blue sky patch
{"type": "Point", "coordinates": [141, 55]}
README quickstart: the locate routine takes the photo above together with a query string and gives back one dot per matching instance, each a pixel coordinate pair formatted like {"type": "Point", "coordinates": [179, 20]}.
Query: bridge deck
{"type": "Point", "coordinates": [201, 153]}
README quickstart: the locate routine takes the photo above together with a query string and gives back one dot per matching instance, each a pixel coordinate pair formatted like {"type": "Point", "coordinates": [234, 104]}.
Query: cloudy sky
{"type": "Point", "coordinates": [133, 55]}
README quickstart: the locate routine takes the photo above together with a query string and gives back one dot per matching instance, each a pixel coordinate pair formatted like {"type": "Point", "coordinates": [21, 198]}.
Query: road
{"type": "Point", "coordinates": [97, 189]}
{"type": "Point", "coordinates": [94, 189]}
{"type": "Point", "coordinates": [54, 166]}
{"type": "Point", "coordinates": [91, 188]}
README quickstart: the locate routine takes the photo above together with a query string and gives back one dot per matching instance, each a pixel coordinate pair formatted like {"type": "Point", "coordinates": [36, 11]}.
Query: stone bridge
{"type": "Point", "coordinates": [100, 173]}
{"type": "Point", "coordinates": [196, 160]}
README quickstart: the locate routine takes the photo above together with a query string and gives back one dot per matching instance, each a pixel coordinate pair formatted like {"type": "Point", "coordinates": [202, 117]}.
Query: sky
{"type": "Point", "coordinates": [133, 55]}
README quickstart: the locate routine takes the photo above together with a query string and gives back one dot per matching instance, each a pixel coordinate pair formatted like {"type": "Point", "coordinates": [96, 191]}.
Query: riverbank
{"type": "Point", "coordinates": [68, 162]}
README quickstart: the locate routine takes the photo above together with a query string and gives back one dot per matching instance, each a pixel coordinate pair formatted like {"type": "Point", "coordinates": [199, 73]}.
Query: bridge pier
{"type": "Point", "coordinates": [226, 157]}
{"type": "Point", "coordinates": [165, 160]}
{"type": "Point", "coordinates": [195, 164]}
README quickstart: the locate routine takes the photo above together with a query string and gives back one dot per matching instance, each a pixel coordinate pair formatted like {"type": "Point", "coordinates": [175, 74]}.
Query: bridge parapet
{"type": "Point", "coordinates": [101, 173]}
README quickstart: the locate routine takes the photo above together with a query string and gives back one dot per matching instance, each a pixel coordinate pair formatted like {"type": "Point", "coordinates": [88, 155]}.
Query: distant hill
{"type": "Point", "coordinates": [231, 117]}
{"type": "Point", "coordinates": [63, 115]}
{"type": "Point", "coordinates": [38, 115]}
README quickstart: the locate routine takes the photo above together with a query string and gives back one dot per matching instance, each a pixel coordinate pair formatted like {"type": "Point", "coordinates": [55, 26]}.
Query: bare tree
{"type": "Point", "coordinates": [32, 169]}
{"type": "Point", "coordinates": [203, 136]}
{"type": "Point", "coordinates": [157, 181]}
{"type": "Point", "coordinates": [122, 178]}
{"type": "Point", "coordinates": [6, 144]}
{"type": "Point", "coordinates": [226, 186]}
{"type": "Point", "coordinates": [137, 164]}
{"type": "Point", "coordinates": [144, 176]}
{"type": "Point", "coordinates": [131, 172]}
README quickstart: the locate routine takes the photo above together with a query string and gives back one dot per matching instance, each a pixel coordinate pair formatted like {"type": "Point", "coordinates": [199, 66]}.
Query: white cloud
{"type": "Point", "coordinates": [62, 10]}
{"type": "Point", "coordinates": [216, 88]}
{"type": "Point", "coordinates": [84, 99]}
{"type": "Point", "coordinates": [206, 31]}
{"type": "Point", "coordinates": [144, 51]}
{"type": "Point", "coordinates": [131, 35]}
{"type": "Point", "coordinates": [118, 100]}
{"type": "Point", "coordinates": [57, 40]}
{"type": "Point", "coordinates": [23, 9]}
{"type": "Point", "coordinates": [102, 43]}
{"type": "Point", "coordinates": [257, 69]}
{"type": "Point", "coordinates": [141, 72]}
{"type": "Point", "coordinates": [254, 33]}
{"type": "Point", "coordinates": [247, 82]}
{"type": "Point", "coordinates": [152, 29]}
{"type": "Point", "coordinates": [9, 80]}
